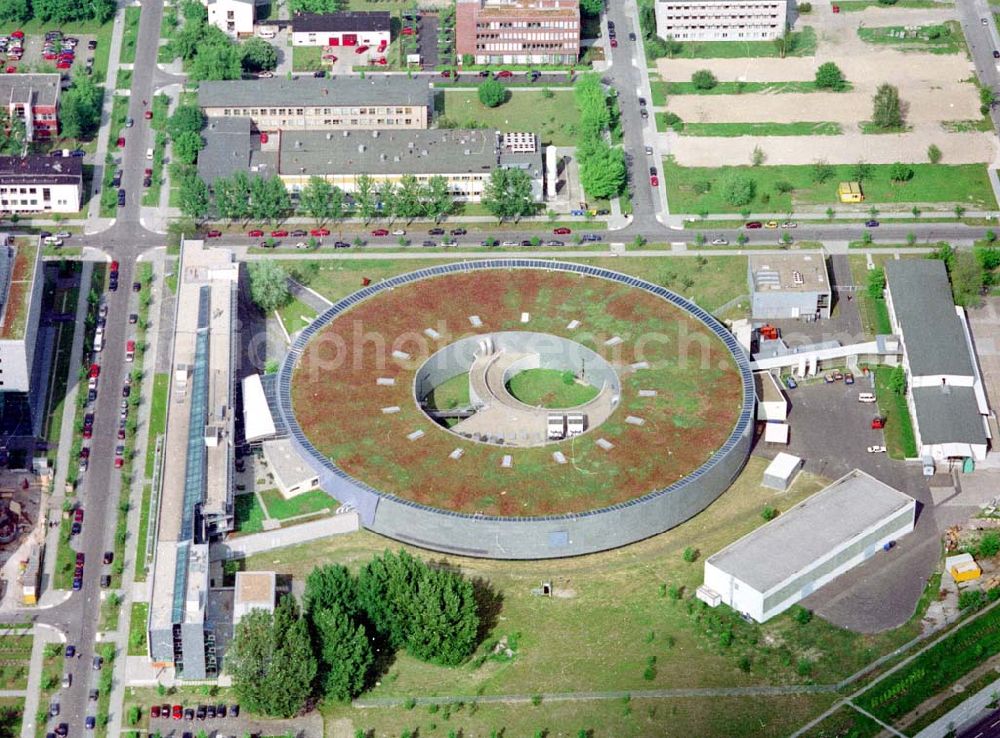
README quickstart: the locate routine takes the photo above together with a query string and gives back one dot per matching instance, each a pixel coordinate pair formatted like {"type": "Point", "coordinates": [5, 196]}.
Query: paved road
{"type": "Point", "coordinates": [987, 727]}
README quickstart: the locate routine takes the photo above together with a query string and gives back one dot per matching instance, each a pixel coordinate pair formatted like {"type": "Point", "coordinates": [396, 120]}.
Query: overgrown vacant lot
{"type": "Point", "coordinates": [339, 406]}
{"type": "Point", "coordinates": [694, 189]}
{"type": "Point", "coordinates": [554, 118]}
{"type": "Point", "coordinates": [612, 613]}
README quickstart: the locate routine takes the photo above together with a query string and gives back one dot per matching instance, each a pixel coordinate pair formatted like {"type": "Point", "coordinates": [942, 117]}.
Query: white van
{"type": "Point", "coordinates": [265, 32]}
{"type": "Point", "coordinates": [149, 153]}
{"type": "Point", "coordinates": [866, 397]}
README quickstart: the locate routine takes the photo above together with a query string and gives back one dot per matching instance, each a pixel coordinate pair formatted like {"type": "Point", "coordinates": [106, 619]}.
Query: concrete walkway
{"type": "Point", "coordinates": [132, 548]}
{"type": "Point", "coordinates": [971, 709]}
{"type": "Point", "coordinates": [44, 635]}
{"type": "Point", "coordinates": [308, 296]}
{"type": "Point", "coordinates": [49, 595]}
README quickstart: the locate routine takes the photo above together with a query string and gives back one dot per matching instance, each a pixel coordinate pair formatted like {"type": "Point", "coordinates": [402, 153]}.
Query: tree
{"type": "Point", "coordinates": [492, 94]}
{"type": "Point", "coordinates": [758, 156]}
{"type": "Point", "coordinates": [861, 171]}
{"type": "Point", "coordinates": [897, 380]}
{"type": "Point", "coordinates": [316, 199]}
{"type": "Point", "coordinates": [315, 6]}
{"type": "Point", "coordinates": [364, 196]}
{"type": "Point", "coordinates": [438, 202]}
{"type": "Point", "coordinates": [257, 55]}
{"type": "Point", "coordinates": [232, 196]}
{"type": "Point", "coordinates": [12, 134]}
{"type": "Point", "coordinates": [591, 7]}
{"type": "Point", "coordinates": [186, 147]}
{"type": "Point", "coordinates": [703, 79]}
{"type": "Point", "coordinates": [268, 285]}
{"type": "Point", "coordinates": [738, 189]}
{"type": "Point", "coordinates": [345, 654]}
{"type": "Point", "coordinates": [185, 119]}
{"type": "Point", "coordinates": [508, 193]}
{"type": "Point", "coordinates": [194, 197]}
{"type": "Point", "coordinates": [272, 661]}
{"type": "Point", "coordinates": [408, 198]}
{"type": "Point", "coordinates": [602, 169]}
{"type": "Point", "coordinates": [216, 62]}
{"type": "Point", "coordinates": [821, 171]}
{"type": "Point", "coordinates": [785, 43]}
{"type": "Point", "coordinates": [829, 77]}
{"type": "Point", "coordinates": [966, 279]}
{"type": "Point", "coordinates": [329, 586]}
{"type": "Point", "coordinates": [80, 108]}
{"type": "Point", "coordinates": [934, 154]}
{"type": "Point", "coordinates": [875, 285]}
{"type": "Point", "coordinates": [14, 11]}
{"type": "Point", "coordinates": [269, 199]}
{"type": "Point", "coordinates": [886, 110]}
{"type": "Point", "coordinates": [900, 172]}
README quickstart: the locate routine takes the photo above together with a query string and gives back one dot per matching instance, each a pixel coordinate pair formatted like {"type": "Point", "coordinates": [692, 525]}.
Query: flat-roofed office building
{"type": "Point", "coordinates": [721, 20]}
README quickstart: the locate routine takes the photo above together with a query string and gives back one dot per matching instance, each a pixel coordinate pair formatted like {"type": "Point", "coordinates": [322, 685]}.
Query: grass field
{"type": "Point", "coordinates": [966, 184]}
{"type": "Point", "coordinates": [660, 89]}
{"type": "Point", "coordinates": [450, 394]}
{"type": "Point", "coordinates": [612, 613]}
{"type": "Point", "coordinates": [849, 6]}
{"type": "Point", "coordinates": [804, 44]}
{"type": "Point", "coordinates": [296, 315]}
{"type": "Point", "coordinates": [308, 502]}
{"type": "Point", "coordinates": [846, 722]}
{"type": "Point", "coordinates": [15, 658]}
{"type": "Point", "coordinates": [11, 712]}
{"type": "Point", "coordinates": [137, 629]}
{"type": "Point", "coordinates": [731, 130]}
{"type": "Point", "coordinates": [130, 35]}
{"type": "Point", "coordinates": [249, 515]}
{"type": "Point", "coordinates": [937, 39]}
{"type": "Point", "coordinates": [710, 281]}
{"type": "Point", "coordinates": [555, 118]}
{"type": "Point", "coordinates": [143, 533]}
{"type": "Point", "coordinates": [157, 419]}
{"type": "Point", "coordinates": [900, 441]}
{"type": "Point", "coordinates": [549, 388]}
{"type": "Point", "coordinates": [307, 58]}
{"type": "Point", "coordinates": [52, 665]}
{"type": "Point", "coordinates": [691, 421]}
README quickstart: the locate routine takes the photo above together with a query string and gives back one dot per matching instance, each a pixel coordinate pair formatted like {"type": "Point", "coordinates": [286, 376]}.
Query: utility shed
{"type": "Point", "coordinates": [772, 405]}
{"type": "Point", "coordinates": [254, 591]}
{"type": "Point", "coordinates": [789, 286]}
{"type": "Point", "coordinates": [781, 472]}
{"type": "Point", "coordinates": [770, 569]}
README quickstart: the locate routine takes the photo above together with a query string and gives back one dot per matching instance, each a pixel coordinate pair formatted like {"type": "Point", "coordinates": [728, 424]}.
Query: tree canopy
{"type": "Point", "coordinates": [508, 193]}
{"type": "Point", "coordinates": [258, 55]}
{"type": "Point", "coordinates": [829, 77]}
{"type": "Point", "coordinates": [185, 119]}
{"type": "Point", "coordinates": [492, 93]}
{"type": "Point", "coordinates": [345, 654]}
{"type": "Point", "coordinates": [703, 79]}
{"type": "Point", "coordinates": [80, 108]}
{"type": "Point", "coordinates": [268, 285]}
{"type": "Point", "coordinates": [886, 109]}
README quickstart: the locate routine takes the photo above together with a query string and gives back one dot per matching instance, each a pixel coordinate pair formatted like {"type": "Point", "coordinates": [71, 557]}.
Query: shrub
{"type": "Point", "coordinates": [675, 591]}
{"type": "Point", "coordinates": [934, 154]}
{"type": "Point", "coordinates": [804, 667]}
{"type": "Point", "coordinates": [801, 614]}
{"type": "Point", "coordinates": [805, 8]}
{"type": "Point", "coordinates": [971, 599]}
{"type": "Point", "coordinates": [690, 554]}
{"type": "Point", "coordinates": [703, 79]}
{"type": "Point", "coordinates": [672, 120]}
{"type": "Point", "coordinates": [738, 189]}
{"type": "Point", "coordinates": [900, 172]}
{"type": "Point", "coordinates": [744, 662]}
{"type": "Point", "coordinates": [768, 513]}
{"type": "Point", "coordinates": [783, 186]}
{"type": "Point", "coordinates": [989, 544]}
{"type": "Point", "coordinates": [492, 93]}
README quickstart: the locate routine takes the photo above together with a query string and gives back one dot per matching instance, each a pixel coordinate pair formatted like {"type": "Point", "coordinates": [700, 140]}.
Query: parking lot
{"type": "Point", "coordinates": [35, 57]}
{"type": "Point", "coordinates": [308, 726]}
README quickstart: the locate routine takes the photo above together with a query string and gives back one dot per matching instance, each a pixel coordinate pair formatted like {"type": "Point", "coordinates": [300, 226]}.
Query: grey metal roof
{"type": "Point", "coordinates": [948, 414]}
{"type": "Point", "coordinates": [312, 91]}
{"type": "Point", "coordinates": [38, 169]}
{"type": "Point", "coordinates": [349, 22]}
{"type": "Point", "coordinates": [39, 89]}
{"type": "Point", "coordinates": [229, 146]}
{"type": "Point", "coordinates": [435, 151]}
{"type": "Point", "coordinates": [796, 539]}
{"type": "Point", "coordinates": [932, 333]}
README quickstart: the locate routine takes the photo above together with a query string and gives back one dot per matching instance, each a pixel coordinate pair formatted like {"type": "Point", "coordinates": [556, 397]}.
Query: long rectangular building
{"type": "Point", "coordinates": [196, 481]}
{"type": "Point", "coordinates": [518, 31]}
{"type": "Point", "coordinates": [40, 184]}
{"type": "Point", "coordinates": [770, 569]}
{"type": "Point", "coordinates": [34, 98]}
{"type": "Point", "coordinates": [311, 104]}
{"type": "Point", "coordinates": [720, 20]}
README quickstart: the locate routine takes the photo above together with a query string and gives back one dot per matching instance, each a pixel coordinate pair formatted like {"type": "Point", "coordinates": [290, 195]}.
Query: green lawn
{"type": "Point", "coordinates": [307, 58]}
{"type": "Point", "coordinates": [137, 629]}
{"type": "Point", "coordinates": [946, 38]}
{"type": "Point", "coordinates": [555, 118]}
{"type": "Point", "coordinates": [308, 502]}
{"type": "Point", "coordinates": [450, 394]}
{"type": "Point", "coordinates": [848, 6]}
{"type": "Point", "coordinates": [143, 533]}
{"type": "Point", "coordinates": [900, 441]}
{"type": "Point", "coordinates": [130, 35]}
{"type": "Point", "coordinates": [248, 513]}
{"type": "Point", "coordinates": [124, 79]}
{"type": "Point", "coordinates": [730, 130]}
{"type": "Point", "coordinates": [11, 712]}
{"type": "Point", "coordinates": [65, 555]}
{"type": "Point", "coordinates": [157, 418]}
{"type": "Point", "coordinates": [296, 315]}
{"type": "Point", "coordinates": [804, 44]}
{"type": "Point", "coordinates": [967, 184]}
{"type": "Point", "coordinates": [550, 388]}
{"type": "Point", "coordinates": [661, 89]}
{"type": "Point", "coordinates": [846, 722]}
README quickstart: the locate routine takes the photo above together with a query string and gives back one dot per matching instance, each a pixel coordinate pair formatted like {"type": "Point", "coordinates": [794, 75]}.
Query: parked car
{"type": "Point", "coordinates": [848, 378]}
{"type": "Point", "coordinates": [790, 382]}
{"type": "Point", "coordinates": [120, 143]}
{"type": "Point", "coordinates": [70, 651]}
{"type": "Point", "coordinates": [279, 233]}
{"type": "Point", "coordinates": [458, 231]}
{"type": "Point", "coordinates": [720, 241]}
{"type": "Point", "coordinates": [504, 74]}
{"type": "Point", "coordinates": [876, 449]}
{"type": "Point", "coordinates": [435, 232]}
{"type": "Point", "coordinates": [789, 224]}
{"type": "Point", "coordinates": [361, 49]}
{"type": "Point", "coordinates": [380, 232]}
{"type": "Point", "coordinates": [109, 556]}
{"type": "Point", "coordinates": [654, 181]}
{"type": "Point", "coordinates": [871, 224]}
{"type": "Point", "coordinates": [319, 232]}
{"type": "Point", "coordinates": [754, 224]}
{"type": "Point", "coordinates": [121, 198]}
{"type": "Point", "coordinates": [771, 224]}
{"type": "Point", "coordinates": [590, 238]}
{"type": "Point", "coordinates": [148, 115]}
{"type": "Point", "coordinates": [255, 233]}
{"type": "Point", "coordinates": [298, 234]}
{"type": "Point", "coordinates": [562, 231]}
{"type": "Point", "coordinates": [213, 234]}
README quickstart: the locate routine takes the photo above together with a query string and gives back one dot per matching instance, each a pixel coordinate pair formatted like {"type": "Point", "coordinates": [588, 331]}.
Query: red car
{"type": "Point", "coordinates": [361, 50]}
{"type": "Point", "coordinates": [407, 31]}
{"type": "Point", "coordinates": [11, 69]}
{"type": "Point", "coordinates": [148, 115]}
{"type": "Point", "coordinates": [154, 711]}
{"type": "Point", "coordinates": [255, 233]}
{"type": "Point", "coordinates": [213, 234]}
{"type": "Point", "coordinates": [279, 234]}
{"type": "Point", "coordinates": [49, 55]}
{"type": "Point", "coordinates": [614, 43]}
{"type": "Point", "coordinates": [120, 143]}
{"type": "Point", "coordinates": [381, 46]}
{"type": "Point", "coordinates": [381, 61]}
{"type": "Point", "coordinates": [380, 232]}
{"type": "Point", "coordinates": [329, 57]}
{"type": "Point", "coordinates": [318, 232]}
{"type": "Point", "coordinates": [95, 370]}
{"type": "Point", "coordinates": [178, 712]}
{"type": "Point", "coordinates": [561, 231]}
{"type": "Point", "coordinates": [121, 434]}
{"type": "Point", "coordinates": [17, 34]}
{"type": "Point", "coordinates": [78, 515]}
{"type": "Point", "coordinates": [88, 431]}
{"type": "Point", "coordinates": [114, 267]}
{"type": "Point", "coordinates": [63, 65]}
{"type": "Point", "coordinates": [754, 224]}
{"type": "Point", "coordinates": [446, 73]}
{"type": "Point", "coordinates": [504, 74]}
{"type": "Point", "coordinates": [655, 181]}
{"type": "Point", "coordinates": [119, 462]}
{"type": "Point", "coordinates": [147, 172]}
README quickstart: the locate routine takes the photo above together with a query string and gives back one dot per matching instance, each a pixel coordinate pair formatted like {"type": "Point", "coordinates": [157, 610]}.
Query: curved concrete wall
{"type": "Point", "coordinates": [528, 538]}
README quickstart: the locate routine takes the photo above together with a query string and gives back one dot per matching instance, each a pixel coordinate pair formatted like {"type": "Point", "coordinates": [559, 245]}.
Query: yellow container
{"type": "Point", "coordinates": [850, 192]}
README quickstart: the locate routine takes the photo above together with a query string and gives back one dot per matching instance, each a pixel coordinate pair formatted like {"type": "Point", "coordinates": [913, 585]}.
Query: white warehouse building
{"type": "Point", "coordinates": [770, 569]}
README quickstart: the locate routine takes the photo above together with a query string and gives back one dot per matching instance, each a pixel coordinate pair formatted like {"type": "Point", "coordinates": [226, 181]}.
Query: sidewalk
{"type": "Point", "coordinates": [111, 81]}
{"type": "Point", "coordinates": [972, 709]}
{"type": "Point", "coordinates": [51, 596]}
{"type": "Point", "coordinates": [157, 218]}
{"type": "Point", "coordinates": [43, 637]}
{"type": "Point", "coordinates": [120, 636]}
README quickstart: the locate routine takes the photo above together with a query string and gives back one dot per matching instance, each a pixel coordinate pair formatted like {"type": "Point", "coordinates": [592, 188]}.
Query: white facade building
{"type": "Point", "coordinates": [721, 20]}
{"type": "Point", "coordinates": [40, 184]}
{"type": "Point", "coordinates": [234, 17]}
{"type": "Point", "coordinates": [770, 569]}
{"type": "Point", "coordinates": [342, 29]}
{"type": "Point", "coordinates": [21, 291]}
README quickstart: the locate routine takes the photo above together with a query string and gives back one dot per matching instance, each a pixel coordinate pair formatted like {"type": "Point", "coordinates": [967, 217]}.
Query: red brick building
{"type": "Point", "coordinates": [518, 31]}
{"type": "Point", "coordinates": [34, 98]}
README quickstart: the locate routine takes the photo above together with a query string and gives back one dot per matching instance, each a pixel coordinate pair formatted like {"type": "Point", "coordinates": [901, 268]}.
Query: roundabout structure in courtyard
{"type": "Point", "coordinates": [519, 408]}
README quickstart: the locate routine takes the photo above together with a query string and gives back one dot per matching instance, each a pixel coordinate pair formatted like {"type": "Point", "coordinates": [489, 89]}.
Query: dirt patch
{"type": "Point", "coordinates": [339, 404]}
{"type": "Point", "coordinates": [957, 148]}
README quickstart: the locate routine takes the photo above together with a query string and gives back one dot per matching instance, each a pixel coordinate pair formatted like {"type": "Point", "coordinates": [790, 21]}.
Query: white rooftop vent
{"type": "Point", "coordinates": [467, 152]}
{"type": "Point", "coordinates": [383, 157]}
{"type": "Point", "coordinates": [410, 145]}
{"type": "Point", "coordinates": [361, 148]}
{"type": "Point", "coordinates": [396, 157]}
{"type": "Point", "coordinates": [374, 134]}
{"type": "Point", "coordinates": [346, 134]}
{"type": "Point", "coordinates": [329, 135]}
{"type": "Point", "coordinates": [298, 144]}
{"type": "Point", "coordinates": [423, 152]}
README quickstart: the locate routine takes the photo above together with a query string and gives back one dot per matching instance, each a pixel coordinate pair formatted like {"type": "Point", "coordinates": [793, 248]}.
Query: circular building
{"type": "Point", "coordinates": [519, 408]}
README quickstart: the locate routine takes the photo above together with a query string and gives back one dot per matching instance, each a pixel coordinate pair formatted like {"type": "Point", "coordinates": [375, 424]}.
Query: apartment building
{"type": "Point", "coordinates": [341, 29]}
{"type": "Point", "coordinates": [309, 103]}
{"type": "Point", "coordinates": [21, 288]}
{"type": "Point", "coordinates": [34, 98]}
{"type": "Point", "coordinates": [518, 31]}
{"type": "Point", "coordinates": [721, 20]}
{"type": "Point", "coordinates": [40, 184]}
{"type": "Point", "coordinates": [235, 17]}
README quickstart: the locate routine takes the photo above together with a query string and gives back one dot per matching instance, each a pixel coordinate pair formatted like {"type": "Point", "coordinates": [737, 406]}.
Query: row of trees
{"type": "Point", "coordinates": [602, 166]}
{"type": "Point", "coordinates": [80, 107]}
{"type": "Point", "coordinates": [212, 55]}
{"type": "Point", "coordinates": [970, 271]}
{"type": "Point", "coordinates": [350, 625]}
{"type": "Point", "coordinates": [56, 11]}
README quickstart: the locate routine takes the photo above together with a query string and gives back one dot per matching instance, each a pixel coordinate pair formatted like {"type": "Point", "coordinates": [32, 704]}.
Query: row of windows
{"type": "Point", "coordinates": [760, 6]}
{"type": "Point", "coordinates": [46, 191]}
{"type": "Point", "coordinates": [529, 36]}
{"type": "Point", "coordinates": [529, 24]}
{"type": "Point", "coordinates": [703, 27]}
{"type": "Point", "coordinates": [522, 47]}
{"type": "Point", "coordinates": [356, 122]}
{"type": "Point", "coordinates": [719, 18]}
{"type": "Point", "coordinates": [316, 111]}
{"type": "Point", "coordinates": [708, 36]}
